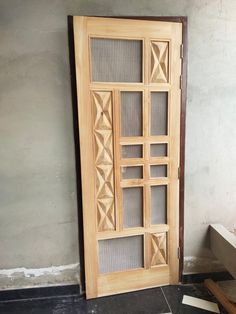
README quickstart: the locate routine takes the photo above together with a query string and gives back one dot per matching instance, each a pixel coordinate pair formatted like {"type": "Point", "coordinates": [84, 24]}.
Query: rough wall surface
{"type": "Point", "coordinates": [38, 219]}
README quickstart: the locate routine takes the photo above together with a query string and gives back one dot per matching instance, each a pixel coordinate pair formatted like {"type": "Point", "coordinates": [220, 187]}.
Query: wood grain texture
{"type": "Point", "coordinates": [87, 156]}
{"type": "Point", "coordinates": [158, 249]}
{"type": "Point", "coordinates": [104, 160]}
{"type": "Point", "coordinates": [159, 62]}
{"type": "Point", "coordinates": [132, 280]}
{"type": "Point", "coordinates": [107, 183]}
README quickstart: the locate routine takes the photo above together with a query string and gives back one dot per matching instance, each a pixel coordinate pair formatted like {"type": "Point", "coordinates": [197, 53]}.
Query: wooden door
{"type": "Point", "coordinates": [128, 84]}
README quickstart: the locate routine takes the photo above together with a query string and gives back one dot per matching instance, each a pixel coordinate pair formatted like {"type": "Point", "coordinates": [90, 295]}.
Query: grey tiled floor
{"type": "Point", "coordinates": [152, 301]}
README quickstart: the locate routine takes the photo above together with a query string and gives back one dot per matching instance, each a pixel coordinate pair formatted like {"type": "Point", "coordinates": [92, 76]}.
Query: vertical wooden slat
{"type": "Point", "coordinates": [117, 158]}
{"type": "Point", "coordinates": [87, 156]}
{"type": "Point", "coordinates": [174, 153]}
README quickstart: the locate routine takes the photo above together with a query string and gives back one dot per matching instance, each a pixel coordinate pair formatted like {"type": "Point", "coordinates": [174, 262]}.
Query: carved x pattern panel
{"type": "Point", "coordinates": [158, 249]}
{"type": "Point", "coordinates": [102, 103]}
{"type": "Point", "coordinates": [159, 62]}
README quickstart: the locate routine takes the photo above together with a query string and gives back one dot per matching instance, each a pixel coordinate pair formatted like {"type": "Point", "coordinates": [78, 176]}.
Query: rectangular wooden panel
{"type": "Point", "coordinates": [132, 280]}
{"type": "Point", "coordinates": [159, 62]}
{"type": "Point", "coordinates": [129, 108]}
{"type": "Point", "coordinates": [104, 160]}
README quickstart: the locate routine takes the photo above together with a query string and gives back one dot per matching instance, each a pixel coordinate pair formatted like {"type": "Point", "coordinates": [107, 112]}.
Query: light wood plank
{"type": "Point", "coordinates": [132, 280]}
{"type": "Point", "coordinates": [87, 156]}
{"type": "Point", "coordinates": [129, 29]}
{"type": "Point", "coordinates": [174, 153]}
{"type": "Point", "coordinates": [229, 289]}
{"type": "Point", "coordinates": [117, 156]}
{"type": "Point", "coordinates": [220, 296]}
{"type": "Point", "coordinates": [133, 231]}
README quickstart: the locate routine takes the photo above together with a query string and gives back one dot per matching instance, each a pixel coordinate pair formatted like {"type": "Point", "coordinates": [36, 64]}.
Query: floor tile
{"type": "Point", "coordinates": [174, 297]}
{"type": "Point", "coordinates": [151, 301]}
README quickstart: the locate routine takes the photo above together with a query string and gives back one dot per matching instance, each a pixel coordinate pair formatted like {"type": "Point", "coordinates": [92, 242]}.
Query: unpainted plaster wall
{"type": "Point", "coordinates": [38, 215]}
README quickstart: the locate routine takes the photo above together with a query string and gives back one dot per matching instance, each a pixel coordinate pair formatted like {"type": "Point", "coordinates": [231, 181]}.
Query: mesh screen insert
{"type": "Point", "coordinates": [159, 113]}
{"type": "Point", "coordinates": [158, 150]}
{"type": "Point", "coordinates": [116, 60]}
{"type": "Point", "coordinates": [133, 207]}
{"type": "Point", "coordinates": [135, 172]}
{"type": "Point", "coordinates": [158, 171]}
{"type": "Point", "coordinates": [131, 114]}
{"type": "Point", "coordinates": [132, 151]}
{"type": "Point", "coordinates": [158, 204]}
{"type": "Point", "coordinates": [120, 254]}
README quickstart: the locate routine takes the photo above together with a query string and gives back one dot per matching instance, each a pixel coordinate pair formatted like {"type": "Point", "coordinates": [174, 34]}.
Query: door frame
{"type": "Point", "coordinates": [177, 19]}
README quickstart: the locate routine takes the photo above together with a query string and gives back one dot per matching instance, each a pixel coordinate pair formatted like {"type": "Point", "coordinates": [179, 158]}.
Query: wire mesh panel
{"type": "Point", "coordinates": [159, 113]}
{"type": "Point", "coordinates": [132, 151]}
{"type": "Point", "coordinates": [120, 254]}
{"type": "Point", "coordinates": [157, 171]}
{"type": "Point", "coordinates": [133, 207]}
{"type": "Point", "coordinates": [116, 60]}
{"type": "Point", "coordinates": [158, 204]}
{"type": "Point", "coordinates": [131, 114]}
{"type": "Point", "coordinates": [158, 150]}
{"type": "Point", "coordinates": [135, 172]}
{"type": "Point", "coordinates": [129, 118]}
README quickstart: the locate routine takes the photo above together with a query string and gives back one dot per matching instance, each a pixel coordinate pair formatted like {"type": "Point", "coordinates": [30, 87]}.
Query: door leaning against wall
{"type": "Point", "coordinates": [128, 84]}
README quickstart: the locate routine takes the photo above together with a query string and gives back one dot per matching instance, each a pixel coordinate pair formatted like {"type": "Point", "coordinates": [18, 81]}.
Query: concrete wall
{"type": "Point", "coordinates": [38, 214]}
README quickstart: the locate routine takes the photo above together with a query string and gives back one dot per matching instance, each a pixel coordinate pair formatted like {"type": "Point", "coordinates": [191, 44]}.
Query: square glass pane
{"type": "Point", "coordinates": [158, 204]}
{"type": "Point", "coordinates": [135, 172]}
{"type": "Point", "coordinates": [157, 171]}
{"type": "Point", "coordinates": [120, 254]}
{"type": "Point", "coordinates": [131, 114]}
{"type": "Point", "coordinates": [133, 207]}
{"type": "Point", "coordinates": [132, 151]}
{"type": "Point", "coordinates": [158, 150]}
{"type": "Point", "coordinates": [159, 113]}
{"type": "Point", "coordinates": [116, 60]}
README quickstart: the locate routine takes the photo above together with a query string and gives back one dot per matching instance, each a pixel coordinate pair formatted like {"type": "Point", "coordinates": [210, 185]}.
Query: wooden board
{"type": "Point", "coordinates": [220, 296]}
{"type": "Point", "coordinates": [229, 289]}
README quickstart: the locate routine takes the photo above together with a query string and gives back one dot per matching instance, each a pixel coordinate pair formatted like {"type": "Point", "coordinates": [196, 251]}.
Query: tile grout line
{"type": "Point", "coordinates": [166, 300]}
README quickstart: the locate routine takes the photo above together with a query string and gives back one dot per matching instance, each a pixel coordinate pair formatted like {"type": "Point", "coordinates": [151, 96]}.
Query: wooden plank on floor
{"type": "Point", "coordinates": [220, 296]}
{"type": "Point", "coordinates": [229, 289]}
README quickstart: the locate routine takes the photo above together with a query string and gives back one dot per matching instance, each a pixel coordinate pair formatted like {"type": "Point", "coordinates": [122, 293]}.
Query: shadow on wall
{"type": "Point", "coordinates": [77, 146]}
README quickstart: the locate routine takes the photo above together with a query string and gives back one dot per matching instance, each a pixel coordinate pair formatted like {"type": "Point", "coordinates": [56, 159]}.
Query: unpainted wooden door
{"type": "Point", "coordinates": [128, 84]}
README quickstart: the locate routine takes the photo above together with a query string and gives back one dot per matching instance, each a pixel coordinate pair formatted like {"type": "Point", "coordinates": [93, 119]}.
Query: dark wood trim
{"type": "Point", "coordinates": [184, 21]}
{"type": "Point", "coordinates": [182, 141]}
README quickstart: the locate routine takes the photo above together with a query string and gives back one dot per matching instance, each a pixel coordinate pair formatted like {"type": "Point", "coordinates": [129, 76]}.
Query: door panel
{"type": "Point", "coordinates": [128, 75]}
